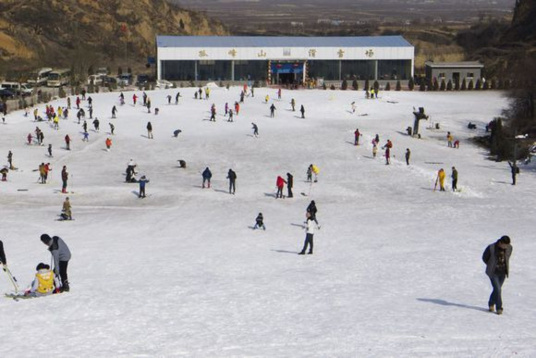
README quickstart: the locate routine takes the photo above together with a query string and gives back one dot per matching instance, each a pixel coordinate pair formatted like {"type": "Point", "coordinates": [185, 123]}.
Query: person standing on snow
{"type": "Point", "coordinates": [497, 259]}
{"type": "Point", "coordinates": [310, 231]}
{"type": "Point", "coordinates": [96, 124]}
{"type": "Point", "coordinates": [10, 160]}
{"type": "Point", "coordinates": [280, 183]}
{"type": "Point", "coordinates": [454, 177]}
{"type": "Point", "coordinates": [440, 179]}
{"type": "Point", "coordinates": [114, 111]}
{"type": "Point", "coordinates": [3, 259]}
{"type": "Point", "coordinates": [302, 110]}
{"type": "Point", "coordinates": [408, 155]}
{"type": "Point", "coordinates": [255, 130]}
{"type": "Point", "coordinates": [143, 180]}
{"type": "Point", "coordinates": [272, 110]}
{"type": "Point", "coordinates": [290, 185]}
{"type": "Point", "coordinates": [64, 178]}
{"type": "Point", "coordinates": [514, 169]}
{"type": "Point", "coordinates": [387, 148]}
{"type": "Point", "coordinates": [134, 99]}
{"type": "Point", "coordinates": [149, 130]}
{"type": "Point", "coordinates": [61, 255]}
{"type": "Point", "coordinates": [231, 175]}
{"type": "Point", "coordinates": [293, 104]}
{"type": "Point", "coordinates": [207, 175]}
{"type": "Point", "coordinates": [312, 210]}
{"type": "Point", "coordinates": [357, 134]}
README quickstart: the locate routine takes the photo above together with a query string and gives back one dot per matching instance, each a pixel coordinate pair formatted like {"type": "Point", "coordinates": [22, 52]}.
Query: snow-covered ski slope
{"type": "Point", "coordinates": [396, 270]}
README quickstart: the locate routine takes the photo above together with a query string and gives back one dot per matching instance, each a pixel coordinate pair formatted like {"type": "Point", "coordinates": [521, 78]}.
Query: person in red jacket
{"type": "Point", "coordinates": [280, 183]}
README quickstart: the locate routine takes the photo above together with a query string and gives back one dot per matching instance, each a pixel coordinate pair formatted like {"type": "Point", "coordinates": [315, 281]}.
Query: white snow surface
{"type": "Point", "coordinates": [396, 271]}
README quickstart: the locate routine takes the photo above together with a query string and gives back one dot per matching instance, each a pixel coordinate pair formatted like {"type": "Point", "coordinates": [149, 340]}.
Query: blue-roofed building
{"type": "Point", "coordinates": [279, 60]}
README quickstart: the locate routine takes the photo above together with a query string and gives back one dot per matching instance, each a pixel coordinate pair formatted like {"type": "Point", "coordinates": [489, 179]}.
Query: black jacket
{"type": "Point", "coordinates": [2, 254]}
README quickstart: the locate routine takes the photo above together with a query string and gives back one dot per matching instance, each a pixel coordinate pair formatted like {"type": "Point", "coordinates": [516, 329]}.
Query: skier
{"type": "Point", "coordinates": [353, 107]}
{"type": "Point", "coordinates": [10, 160]}
{"type": "Point", "coordinates": [29, 138]}
{"type": "Point", "coordinates": [64, 178]}
{"type": "Point", "coordinates": [230, 116]}
{"type": "Point", "coordinates": [91, 112]}
{"type": "Point", "coordinates": [255, 130]}
{"type": "Point", "coordinates": [207, 93]}
{"type": "Point", "coordinates": [67, 142]}
{"type": "Point", "coordinates": [213, 113]}
{"type": "Point", "coordinates": [77, 102]}
{"type": "Point", "coordinates": [149, 130]}
{"type": "Point", "coordinates": [207, 175]}
{"type": "Point", "coordinates": [177, 96]}
{"type": "Point", "coordinates": [61, 255]}
{"type": "Point", "coordinates": [387, 148]}
{"type": "Point", "coordinates": [408, 155]}
{"type": "Point", "coordinates": [96, 124]}
{"type": "Point", "coordinates": [176, 133]}
{"type": "Point", "coordinates": [42, 173]}
{"type": "Point", "coordinates": [312, 210]}
{"type": "Point", "coordinates": [316, 171]}
{"type": "Point", "coordinates": [148, 104]}
{"type": "Point", "coordinates": [3, 259]}
{"type": "Point", "coordinates": [49, 150]}
{"type": "Point", "coordinates": [272, 110]}
{"type": "Point", "coordinates": [131, 172]}
{"type": "Point", "coordinates": [310, 231]}
{"type": "Point", "coordinates": [66, 213]}
{"type": "Point", "coordinates": [440, 179]}
{"type": "Point", "coordinates": [144, 96]}
{"type": "Point", "coordinates": [279, 93]}
{"type": "Point", "coordinates": [497, 259]}
{"type": "Point", "coordinates": [168, 99]}
{"type": "Point", "coordinates": [310, 173]}
{"type": "Point", "coordinates": [200, 93]}
{"type": "Point", "coordinates": [231, 175]}
{"type": "Point", "coordinates": [374, 148]}
{"type": "Point", "coordinates": [514, 169]}
{"type": "Point", "coordinates": [226, 108]}
{"type": "Point", "coordinates": [266, 99]}
{"type": "Point", "coordinates": [112, 128]}
{"type": "Point", "coordinates": [293, 104]}
{"type": "Point", "coordinates": [237, 108]}
{"type": "Point", "coordinates": [121, 99]}
{"type": "Point", "coordinates": [143, 180]}
{"type": "Point", "coordinates": [280, 183]}
{"type": "Point", "coordinates": [357, 134]}
{"type": "Point", "coordinates": [134, 99]}
{"type": "Point", "coordinates": [259, 222]}
{"type": "Point", "coordinates": [454, 177]}
{"type": "Point", "coordinates": [449, 140]}
{"type": "Point", "coordinates": [290, 184]}
{"type": "Point", "coordinates": [45, 282]}
{"type": "Point", "coordinates": [302, 110]}
{"type": "Point", "coordinates": [86, 136]}
{"type": "Point", "coordinates": [108, 143]}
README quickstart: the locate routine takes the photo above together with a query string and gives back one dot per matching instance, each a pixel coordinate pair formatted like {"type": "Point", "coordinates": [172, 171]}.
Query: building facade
{"type": "Point", "coordinates": [454, 71]}
{"type": "Point", "coordinates": [279, 60]}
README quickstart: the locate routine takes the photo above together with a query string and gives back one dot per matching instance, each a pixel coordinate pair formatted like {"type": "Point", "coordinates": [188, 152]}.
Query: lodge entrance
{"type": "Point", "coordinates": [287, 73]}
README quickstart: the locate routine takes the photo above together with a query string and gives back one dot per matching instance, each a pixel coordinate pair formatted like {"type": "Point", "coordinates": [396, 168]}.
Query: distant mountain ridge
{"type": "Point", "coordinates": [86, 32]}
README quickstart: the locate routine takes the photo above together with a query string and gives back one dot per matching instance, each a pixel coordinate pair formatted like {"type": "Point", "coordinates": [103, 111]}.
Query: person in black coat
{"type": "Point", "coordinates": [290, 184]}
{"type": "Point", "coordinates": [515, 170]}
{"type": "Point", "coordinates": [497, 259]}
{"type": "Point", "coordinates": [311, 209]}
{"type": "Point", "coordinates": [3, 259]}
{"type": "Point", "coordinates": [231, 175]}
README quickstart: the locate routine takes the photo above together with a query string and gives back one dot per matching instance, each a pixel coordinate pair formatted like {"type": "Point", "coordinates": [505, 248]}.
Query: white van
{"type": "Point", "coordinates": [17, 88]}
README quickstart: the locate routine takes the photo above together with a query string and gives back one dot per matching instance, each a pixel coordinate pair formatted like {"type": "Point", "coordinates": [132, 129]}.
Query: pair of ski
{"type": "Point", "coordinates": [16, 296]}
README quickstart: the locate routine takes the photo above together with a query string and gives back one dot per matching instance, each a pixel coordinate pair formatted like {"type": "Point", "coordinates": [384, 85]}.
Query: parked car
{"type": "Point", "coordinates": [16, 88]}
{"type": "Point", "coordinates": [106, 80]}
{"type": "Point", "coordinates": [164, 84]}
{"type": "Point", "coordinates": [97, 79]}
{"type": "Point", "coordinates": [142, 80]}
{"type": "Point", "coordinates": [125, 79]}
{"type": "Point", "coordinates": [6, 94]}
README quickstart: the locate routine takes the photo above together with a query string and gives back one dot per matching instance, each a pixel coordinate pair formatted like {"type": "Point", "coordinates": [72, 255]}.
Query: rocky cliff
{"type": "Point", "coordinates": [83, 33]}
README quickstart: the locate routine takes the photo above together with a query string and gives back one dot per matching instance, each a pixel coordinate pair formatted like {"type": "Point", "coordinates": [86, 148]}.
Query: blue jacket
{"type": "Point", "coordinates": [207, 174]}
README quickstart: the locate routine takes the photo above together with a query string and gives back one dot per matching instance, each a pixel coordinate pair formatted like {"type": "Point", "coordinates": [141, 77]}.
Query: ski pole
{"type": "Point", "coordinates": [12, 278]}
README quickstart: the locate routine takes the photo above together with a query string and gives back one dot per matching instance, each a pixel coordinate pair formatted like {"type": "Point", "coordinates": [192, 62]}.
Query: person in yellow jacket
{"type": "Point", "coordinates": [45, 282]}
{"type": "Point", "coordinates": [441, 179]}
{"type": "Point", "coordinates": [316, 171]}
